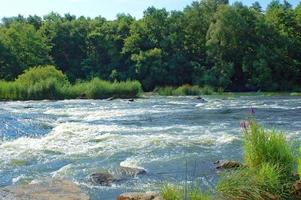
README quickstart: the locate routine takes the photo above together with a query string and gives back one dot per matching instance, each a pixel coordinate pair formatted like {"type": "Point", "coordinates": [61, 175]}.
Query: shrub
{"type": "Point", "coordinates": [39, 74]}
{"type": "Point", "coordinates": [48, 83]}
{"type": "Point", "coordinates": [261, 146]}
{"type": "Point", "coordinates": [184, 90]}
{"type": "Point", "coordinates": [100, 89]}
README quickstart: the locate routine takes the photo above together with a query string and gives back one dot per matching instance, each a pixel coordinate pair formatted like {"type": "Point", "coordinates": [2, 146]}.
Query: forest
{"type": "Point", "coordinates": [210, 43]}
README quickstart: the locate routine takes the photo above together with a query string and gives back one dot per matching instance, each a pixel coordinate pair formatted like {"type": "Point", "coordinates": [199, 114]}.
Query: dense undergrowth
{"type": "Point", "coordinates": [268, 172]}
{"type": "Point", "coordinates": [185, 90]}
{"type": "Point", "coordinates": [46, 82]}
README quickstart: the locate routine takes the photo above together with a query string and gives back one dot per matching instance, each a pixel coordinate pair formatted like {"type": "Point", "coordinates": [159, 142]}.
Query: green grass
{"type": "Point", "coordinates": [185, 90]}
{"type": "Point", "coordinates": [172, 192]}
{"type": "Point", "coordinates": [46, 82]}
{"type": "Point", "coordinates": [100, 89]}
{"type": "Point", "coordinates": [269, 165]}
{"type": "Point", "coordinates": [262, 146]}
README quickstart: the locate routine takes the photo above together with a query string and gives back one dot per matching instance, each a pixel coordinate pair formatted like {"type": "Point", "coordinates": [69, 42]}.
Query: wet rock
{"type": "Point", "coordinates": [131, 100]}
{"type": "Point", "coordinates": [201, 99]}
{"type": "Point", "coordinates": [227, 164]}
{"type": "Point", "coordinates": [52, 189]}
{"type": "Point", "coordinates": [111, 98]}
{"type": "Point", "coordinates": [132, 171]}
{"type": "Point", "coordinates": [140, 196]}
{"type": "Point", "coordinates": [103, 178]}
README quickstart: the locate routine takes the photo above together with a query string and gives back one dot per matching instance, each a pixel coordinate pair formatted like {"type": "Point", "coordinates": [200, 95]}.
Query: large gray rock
{"type": "Point", "coordinates": [140, 196]}
{"type": "Point", "coordinates": [49, 190]}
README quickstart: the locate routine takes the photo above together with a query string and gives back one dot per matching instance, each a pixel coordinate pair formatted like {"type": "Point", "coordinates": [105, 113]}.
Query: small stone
{"type": "Point", "coordinates": [111, 98]}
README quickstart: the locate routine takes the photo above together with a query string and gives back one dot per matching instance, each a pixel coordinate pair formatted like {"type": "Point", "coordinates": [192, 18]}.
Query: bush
{"type": "Point", "coordinates": [185, 90]}
{"type": "Point", "coordinates": [39, 74]}
{"type": "Point", "coordinates": [100, 89]}
{"type": "Point", "coordinates": [46, 82]}
{"type": "Point", "coordinates": [42, 82]}
{"type": "Point", "coordinates": [261, 146]}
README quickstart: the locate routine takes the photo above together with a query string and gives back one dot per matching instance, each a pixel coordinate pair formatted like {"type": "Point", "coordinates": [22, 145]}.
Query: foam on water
{"type": "Point", "coordinates": [72, 139]}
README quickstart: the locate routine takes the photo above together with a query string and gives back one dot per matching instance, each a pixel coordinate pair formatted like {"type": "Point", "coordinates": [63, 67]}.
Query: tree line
{"type": "Point", "coordinates": [230, 47]}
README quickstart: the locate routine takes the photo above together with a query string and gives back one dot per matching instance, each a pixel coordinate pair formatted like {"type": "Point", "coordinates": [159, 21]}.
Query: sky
{"type": "Point", "coordinates": [92, 8]}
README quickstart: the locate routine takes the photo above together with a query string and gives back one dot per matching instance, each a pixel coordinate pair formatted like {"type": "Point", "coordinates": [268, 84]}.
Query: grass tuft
{"type": "Point", "coordinates": [172, 192]}
{"type": "Point", "coordinates": [262, 146]}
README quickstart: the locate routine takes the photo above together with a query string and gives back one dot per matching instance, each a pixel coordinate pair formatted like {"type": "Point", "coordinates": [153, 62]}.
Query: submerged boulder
{"type": "Point", "coordinates": [140, 196]}
{"type": "Point", "coordinates": [103, 179]}
{"type": "Point", "coordinates": [132, 171]}
{"type": "Point", "coordinates": [227, 164]}
{"type": "Point", "coordinates": [201, 99]}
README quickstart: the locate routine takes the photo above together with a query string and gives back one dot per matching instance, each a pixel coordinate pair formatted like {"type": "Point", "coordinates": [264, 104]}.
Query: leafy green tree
{"type": "Point", "coordinates": [21, 46]}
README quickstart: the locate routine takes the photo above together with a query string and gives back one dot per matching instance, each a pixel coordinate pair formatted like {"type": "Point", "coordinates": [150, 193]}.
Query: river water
{"type": "Point", "coordinates": [175, 139]}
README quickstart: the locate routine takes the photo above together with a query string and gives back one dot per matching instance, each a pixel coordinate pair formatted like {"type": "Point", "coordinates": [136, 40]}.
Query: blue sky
{"type": "Point", "coordinates": [92, 8]}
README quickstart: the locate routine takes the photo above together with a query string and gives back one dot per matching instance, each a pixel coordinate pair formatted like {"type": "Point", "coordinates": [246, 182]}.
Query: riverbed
{"type": "Point", "coordinates": [175, 139]}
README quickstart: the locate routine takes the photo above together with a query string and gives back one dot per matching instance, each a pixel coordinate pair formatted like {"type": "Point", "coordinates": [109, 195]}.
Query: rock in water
{"type": "Point", "coordinates": [53, 189]}
{"type": "Point", "coordinates": [140, 196]}
{"type": "Point", "coordinates": [103, 178]}
{"type": "Point", "coordinates": [201, 99]}
{"type": "Point", "coordinates": [111, 98]}
{"type": "Point", "coordinates": [132, 171]}
{"type": "Point", "coordinates": [227, 164]}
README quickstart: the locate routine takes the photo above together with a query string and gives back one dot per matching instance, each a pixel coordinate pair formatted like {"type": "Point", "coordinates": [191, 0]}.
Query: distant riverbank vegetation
{"type": "Point", "coordinates": [271, 171]}
{"type": "Point", "coordinates": [185, 90]}
{"type": "Point", "coordinates": [210, 43]}
{"type": "Point", "coordinates": [46, 82]}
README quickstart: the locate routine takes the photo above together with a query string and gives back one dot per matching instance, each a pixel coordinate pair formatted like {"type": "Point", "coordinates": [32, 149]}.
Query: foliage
{"type": "Point", "coordinates": [185, 90]}
{"type": "Point", "coordinates": [100, 89]}
{"type": "Point", "coordinates": [172, 192]}
{"type": "Point", "coordinates": [261, 183]}
{"type": "Point", "coordinates": [262, 146]}
{"type": "Point", "coordinates": [268, 170]}
{"type": "Point", "coordinates": [46, 82]}
{"type": "Point", "coordinates": [210, 43]}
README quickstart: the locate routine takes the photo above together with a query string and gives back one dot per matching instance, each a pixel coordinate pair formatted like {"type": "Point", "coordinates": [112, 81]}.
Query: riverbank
{"type": "Point", "coordinates": [46, 82]}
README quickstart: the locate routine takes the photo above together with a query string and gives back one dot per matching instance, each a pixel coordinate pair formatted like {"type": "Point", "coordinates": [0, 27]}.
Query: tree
{"type": "Point", "coordinates": [21, 46]}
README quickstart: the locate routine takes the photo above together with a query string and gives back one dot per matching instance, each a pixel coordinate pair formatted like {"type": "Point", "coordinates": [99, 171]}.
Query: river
{"type": "Point", "coordinates": [175, 139]}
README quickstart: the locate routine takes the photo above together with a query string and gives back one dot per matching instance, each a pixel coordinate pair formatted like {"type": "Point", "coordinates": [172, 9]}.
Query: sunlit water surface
{"type": "Point", "coordinates": [176, 139]}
